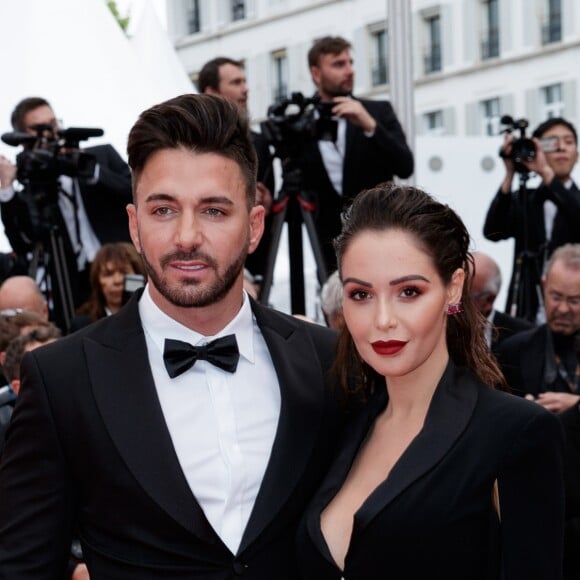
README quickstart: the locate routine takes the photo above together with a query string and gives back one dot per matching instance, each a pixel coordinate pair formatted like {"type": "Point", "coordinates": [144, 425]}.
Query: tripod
{"type": "Point", "coordinates": [48, 253]}
{"type": "Point", "coordinates": [294, 207]}
{"type": "Point", "coordinates": [526, 294]}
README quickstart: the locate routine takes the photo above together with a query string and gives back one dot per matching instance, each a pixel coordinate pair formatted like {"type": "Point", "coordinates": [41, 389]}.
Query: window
{"type": "Point", "coordinates": [380, 63]}
{"type": "Point", "coordinates": [490, 116]}
{"type": "Point", "coordinates": [238, 10]}
{"type": "Point", "coordinates": [552, 26]}
{"type": "Point", "coordinates": [552, 101]}
{"type": "Point", "coordinates": [433, 123]}
{"type": "Point", "coordinates": [490, 29]}
{"type": "Point", "coordinates": [433, 50]}
{"type": "Point", "coordinates": [193, 21]}
{"type": "Point", "coordinates": [279, 75]}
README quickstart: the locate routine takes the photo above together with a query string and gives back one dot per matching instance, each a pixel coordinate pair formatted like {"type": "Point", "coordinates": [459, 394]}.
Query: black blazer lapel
{"type": "Point", "coordinates": [448, 416]}
{"type": "Point", "coordinates": [302, 393]}
{"type": "Point", "coordinates": [125, 394]}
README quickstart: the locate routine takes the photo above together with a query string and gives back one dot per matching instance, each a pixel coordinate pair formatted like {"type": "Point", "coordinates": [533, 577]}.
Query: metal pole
{"type": "Point", "coordinates": [401, 85]}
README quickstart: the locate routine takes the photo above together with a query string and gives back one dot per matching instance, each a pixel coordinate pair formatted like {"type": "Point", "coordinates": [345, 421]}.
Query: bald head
{"type": "Point", "coordinates": [486, 282]}
{"type": "Point", "coordinates": [23, 292]}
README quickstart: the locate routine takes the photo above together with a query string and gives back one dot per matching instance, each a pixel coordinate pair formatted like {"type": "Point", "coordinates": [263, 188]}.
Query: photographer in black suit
{"type": "Point", "coordinates": [226, 77]}
{"type": "Point", "coordinates": [370, 147]}
{"type": "Point", "coordinates": [549, 215]}
{"type": "Point", "coordinates": [90, 211]}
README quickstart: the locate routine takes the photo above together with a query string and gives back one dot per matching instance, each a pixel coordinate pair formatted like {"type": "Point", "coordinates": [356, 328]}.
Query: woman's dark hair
{"type": "Point", "coordinates": [444, 237]}
{"type": "Point", "coordinates": [121, 254]}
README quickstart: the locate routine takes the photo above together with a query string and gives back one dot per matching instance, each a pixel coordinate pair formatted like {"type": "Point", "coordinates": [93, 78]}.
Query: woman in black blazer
{"type": "Point", "coordinates": [439, 476]}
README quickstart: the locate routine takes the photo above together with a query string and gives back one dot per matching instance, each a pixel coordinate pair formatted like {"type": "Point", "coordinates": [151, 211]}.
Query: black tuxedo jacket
{"type": "Point", "coordinates": [368, 161]}
{"type": "Point", "coordinates": [88, 447]}
{"type": "Point", "coordinates": [505, 219]}
{"type": "Point", "coordinates": [433, 517]}
{"type": "Point", "coordinates": [105, 202]}
{"type": "Point", "coordinates": [524, 362]}
{"type": "Point", "coordinates": [505, 326]}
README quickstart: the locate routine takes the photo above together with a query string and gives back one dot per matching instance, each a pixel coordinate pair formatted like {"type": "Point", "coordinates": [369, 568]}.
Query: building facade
{"type": "Point", "coordinates": [473, 60]}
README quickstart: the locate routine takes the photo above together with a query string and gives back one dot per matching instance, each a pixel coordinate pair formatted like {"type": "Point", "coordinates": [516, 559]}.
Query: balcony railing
{"type": "Point", "coordinates": [193, 21]}
{"type": "Point", "coordinates": [552, 29]}
{"type": "Point", "coordinates": [380, 72]}
{"type": "Point", "coordinates": [432, 60]}
{"type": "Point", "coordinates": [490, 44]}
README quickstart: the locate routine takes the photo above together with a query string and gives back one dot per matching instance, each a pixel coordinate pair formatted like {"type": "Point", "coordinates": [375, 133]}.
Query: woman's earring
{"type": "Point", "coordinates": [454, 308]}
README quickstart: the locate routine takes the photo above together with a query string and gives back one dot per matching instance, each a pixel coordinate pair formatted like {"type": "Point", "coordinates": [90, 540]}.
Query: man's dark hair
{"type": "Point", "coordinates": [209, 75]}
{"type": "Point", "coordinates": [199, 124]}
{"type": "Point", "coordinates": [553, 122]}
{"type": "Point", "coordinates": [327, 45]}
{"type": "Point", "coordinates": [23, 108]}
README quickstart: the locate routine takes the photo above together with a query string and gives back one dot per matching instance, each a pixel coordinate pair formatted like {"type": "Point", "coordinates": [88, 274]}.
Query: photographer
{"type": "Point", "coordinates": [370, 146]}
{"type": "Point", "coordinates": [542, 219]}
{"type": "Point", "coordinates": [89, 211]}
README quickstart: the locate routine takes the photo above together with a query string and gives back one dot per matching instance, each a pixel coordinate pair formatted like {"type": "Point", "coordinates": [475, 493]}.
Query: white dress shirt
{"type": "Point", "coordinates": [332, 153]}
{"type": "Point", "coordinates": [222, 424]}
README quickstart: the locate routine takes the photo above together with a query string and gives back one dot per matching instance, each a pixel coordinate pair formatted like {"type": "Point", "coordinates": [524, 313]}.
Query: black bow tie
{"type": "Point", "coordinates": [221, 352]}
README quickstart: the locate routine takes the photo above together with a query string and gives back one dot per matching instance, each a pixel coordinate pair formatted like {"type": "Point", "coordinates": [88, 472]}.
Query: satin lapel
{"type": "Point", "coordinates": [302, 391]}
{"type": "Point", "coordinates": [449, 414]}
{"type": "Point", "coordinates": [125, 394]}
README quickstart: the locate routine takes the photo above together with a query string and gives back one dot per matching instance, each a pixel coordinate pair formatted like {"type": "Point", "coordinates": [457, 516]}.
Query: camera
{"type": "Point", "coordinates": [523, 148]}
{"type": "Point", "coordinates": [292, 122]}
{"type": "Point", "coordinates": [46, 155]}
{"type": "Point", "coordinates": [131, 283]}
{"type": "Point", "coordinates": [51, 153]}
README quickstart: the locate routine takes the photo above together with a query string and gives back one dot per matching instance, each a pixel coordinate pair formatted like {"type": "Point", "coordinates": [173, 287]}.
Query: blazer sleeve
{"type": "Point", "coordinates": [501, 219]}
{"type": "Point", "coordinates": [531, 498]}
{"type": "Point", "coordinates": [114, 174]}
{"type": "Point", "coordinates": [390, 138]}
{"type": "Point", "coordinates": [36, 491]}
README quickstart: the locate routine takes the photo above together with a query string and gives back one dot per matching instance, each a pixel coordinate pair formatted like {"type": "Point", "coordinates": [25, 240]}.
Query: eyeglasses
{"type": "Point", "coordinates": [571, 301]}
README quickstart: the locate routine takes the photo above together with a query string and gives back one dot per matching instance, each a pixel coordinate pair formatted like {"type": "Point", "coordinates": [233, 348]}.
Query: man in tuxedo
{"type": "Point", "coordinates": [226, 77]}
{"type": "Point", "coordinates": [89, 211]}
{"type": "Point", "coordinates": [370, 145]}
{"type": "Point", "coordinates": [544, 219]}
{"type": "Point", "coordinates": [543, 363]}
{"type": "Point", "coordinates": [485, 286]}
{"type": "Point", "coordinates": [183, 436]}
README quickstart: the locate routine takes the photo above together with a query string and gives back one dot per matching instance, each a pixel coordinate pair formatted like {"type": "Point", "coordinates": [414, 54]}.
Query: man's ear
{"type": "Point", "coordinates": [315, 74]}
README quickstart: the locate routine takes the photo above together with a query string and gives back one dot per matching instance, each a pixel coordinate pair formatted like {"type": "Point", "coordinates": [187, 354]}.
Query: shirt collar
{"type": "Point", "coordinates": [159, 326]}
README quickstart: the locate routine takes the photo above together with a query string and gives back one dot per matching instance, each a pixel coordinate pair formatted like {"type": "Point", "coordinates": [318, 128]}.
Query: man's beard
{"type": "Point", "coordinates": [187, 293]}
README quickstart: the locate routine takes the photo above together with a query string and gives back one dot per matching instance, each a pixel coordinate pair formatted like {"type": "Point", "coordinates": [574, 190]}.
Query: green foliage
{"type": "Point", "coordinates": [122, 20]}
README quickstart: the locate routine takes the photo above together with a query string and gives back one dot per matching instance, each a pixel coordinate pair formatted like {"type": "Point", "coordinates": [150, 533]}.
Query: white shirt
{"type": "Point", "coordinates": [222, 424]}
{"type": "Point", "coordinates": [332, 153]}
{"type": "Point", "coordinates": [550, 210]}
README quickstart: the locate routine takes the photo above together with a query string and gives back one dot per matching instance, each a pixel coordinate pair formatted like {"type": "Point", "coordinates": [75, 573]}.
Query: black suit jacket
{"type": "Point", "coordinates": [368, 161]}
{"type": "Point", "coordinates": [433, 517]}
{"type": "Point", "coordinates": [88, 443]}
{"type": "Point", "coordinates": [505, 219]}
{"type": "Point", "coordinates": [505, 326]}
{"type": "Point", "coordinates": [526, 365]}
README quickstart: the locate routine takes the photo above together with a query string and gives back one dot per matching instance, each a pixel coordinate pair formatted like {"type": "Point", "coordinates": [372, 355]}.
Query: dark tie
{"type": "Point", "coordinates": [221, 352]}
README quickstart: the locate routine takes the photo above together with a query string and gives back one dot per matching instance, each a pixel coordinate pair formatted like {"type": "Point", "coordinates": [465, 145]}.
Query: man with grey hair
{"type": "Point", "coordinates": [485, 286]}
{"type": "Point", "coordinates": [543, 363]}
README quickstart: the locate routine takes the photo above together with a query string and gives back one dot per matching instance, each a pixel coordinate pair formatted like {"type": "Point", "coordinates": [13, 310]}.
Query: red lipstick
{"type": "Point", "coordinates": [389, 347]}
